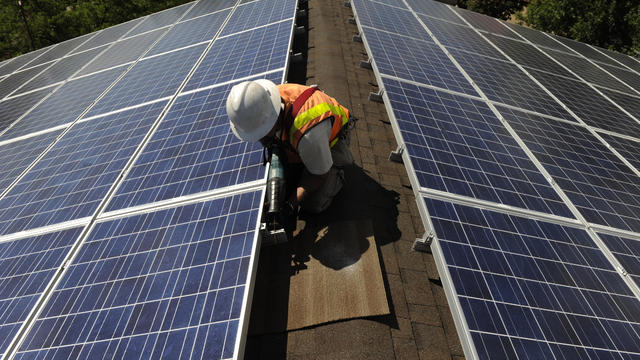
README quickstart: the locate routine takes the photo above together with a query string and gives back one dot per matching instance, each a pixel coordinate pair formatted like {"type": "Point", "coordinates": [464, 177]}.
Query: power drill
{"type": "Point", "coordinates": [272, 226]}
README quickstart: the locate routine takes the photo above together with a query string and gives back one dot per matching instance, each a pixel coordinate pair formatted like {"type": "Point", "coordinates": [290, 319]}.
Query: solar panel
{"type": "Point", "coordinates": [436, 10]}
{"type": "Point", "coordinates": [630, 62]}
{"type": "Point", "coordinates": [150, 79]}
{"type": "Point", "coordinates": [528, 55]}
{"type": "Point", "coordinates": [207, 7]}
{"type": "Point", "coordinates": [416, 60]}
{"type": "Point", "coordinates": [485, 23]}
{"type": "Point", "coordinates": [107, 35]}
{"type": "Point", "coordinates": [389, 18]}
{"type": "Point", "coordinates": [122, 52]}
{"type": "Point", "coordinates": [16, 156]}
{"type": "Point", "coordinates": [61, 70]}
{"type": "Point", "coordinates": [73, 177]}
{"type": "Point", "coordinates": [190, 32]}
{"type": "Point", "coordinates": [67, 148]}
{"type": "Point", "coordinates": [627, 147]}
{"type": "Point", "coordinates": [460, 37]}
{"type": "Point", "coordinates": [586, 50]}
{"type": "Point", "coordinates": [599, 184]}
{"type": "Point", "coordinates": [245, 54]}
{"type": "Point", "coordinates": [12, 108]}
{"type": "Point", "coordinates": [27, 265]}
{"type": "Point", "coordinates": [172, 283]}
{"type": "Point", "coordinates": [533, 289]}
{"type": "Point", "coordinates": [588, 71]}
{"type": "Point", "coordinates": [59, 50]}
{"type": "Point", "coordinates": [629, 77]}
{"type": "Point", "coordinates": [64, 105]}
{"type": "Point", "coordinates": [538, 37]}
{"type": "Point", "coordinates": [15, 80]}
{"type": "Point", "coordinates": [511, 185]}
{"type": "Point", "coordinates": [259, 13]}
{"type": "Point", "coordinates": [503, 82]}
{"type": "Point", "coordinates": [192, 151]}
{"type": "Point", "coordinates": [590, 106]}
{"type": "Point", "coordinates": [160, 19]}
{"type": "Point", "coordinates": [457, 145]}
{"type": "Point", "coordinates": [21, 61]}
{"type": "Point", "coordinates": [627, 252]}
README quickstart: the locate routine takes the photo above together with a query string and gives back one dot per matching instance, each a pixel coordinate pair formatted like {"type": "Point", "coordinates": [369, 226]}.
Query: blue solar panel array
{"type": "Point", "coordinates": [26, 267]}
{"type": "Point", "coordinates": [167, 284]}
{"type": "Point", "coordinates": [531, 289]}
{"type": "Point", "coordinates": [507, 135]}
{"type": "Point", "coordinates": [122, 136]}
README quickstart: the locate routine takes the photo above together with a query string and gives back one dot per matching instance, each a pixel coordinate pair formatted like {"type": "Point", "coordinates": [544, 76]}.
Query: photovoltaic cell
{"type": "Point", "coordinates": [416, 60]}
{"type": "Point", "coordinates": [534, 290]}
{"type": "Point", "coordinates": [73, 177]}
{"type": "Point", "coordinates": [11, 109]}
{"type": "Point", "coordinates": [26, 266]}
{"type": "Point", "coordinates": [61, 70]}
{"type": "Point", "coordinates": [588, 71]}
{"type": "Point", "coordinates": [20, 61]}
{"type": "Point", "coordinates": [64, 105]}
{"type": "Point", "coordinates": [592, 108]}
{"type": "Point", "coordinates": [170, 284]}
{"type": "Point", "coordinates": [193, 150]}
{"type": "Point", "coordinates": [160, 19]}
{"type": "Point", "coordinates": [504, 82]}
{"type": "Point", "coordinates": [629, 149]}
{"type": "Point", "coordinates": [150, 79]}
{"type": "Point", "coordinates": [485, 23]}
{"type": "Point", "coordinates": [630, 103]}
{"type": "Point", "coordinates": [17, 156]}
{"type": "Point", "coordinates": [537, 37]}
{"type": "Point", "coordinates": [208, 6]}
{"type": "Point", "coordinates": [245, 54]}
{"type": "Point", "coordinates": [527, 55]}
{"type": "Point", "coordinates": [190, 32]}
{"type": "Point", "coordinates": [629, 77]}
{"type": "Point", "coordinates": [622, 58]}
{"type": "Point", "coordinates": [457, 145]}
{"type": "Point", "coordinates": [107, 35]}
{"type": "Point", "coordinates": [460, 37]}
{"type": "Point", "coordinates": [123, 52]}
{"type": "Point", "coordinates": [259, 13]}
{"type": "Point", "coordinates": [436, 10]}
{"type": "Point", "coordinates": [586, 50]}
{"type": "Point", "coordinates": [596, 181]}
{"type": "Point", "coordinates": [15, 80]}
{"type": "Point", "coordinates": [61, 49]}
{"type": "Point", "coordinates": [389, 18]}
{"type": "Point", "coordinates": [626, 251]}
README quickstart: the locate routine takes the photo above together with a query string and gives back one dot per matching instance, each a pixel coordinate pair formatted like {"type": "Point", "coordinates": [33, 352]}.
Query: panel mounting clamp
{"type": "Point", "coordinates": [366, 64]}
{"type": "Point", "coordinates": [376, 97]}
{"type": "Point", "coordinates": [352, 21]}
{"type": "Point", "coordinates": [423, 244]}
{"type": "Point", "coordinates": [396, 155]}
{"type": "Point", "coordinates": [357, 38]}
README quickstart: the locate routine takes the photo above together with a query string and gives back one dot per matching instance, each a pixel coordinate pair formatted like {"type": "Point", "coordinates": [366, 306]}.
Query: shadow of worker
{"type": "Point", "coordinates": [337, 237]}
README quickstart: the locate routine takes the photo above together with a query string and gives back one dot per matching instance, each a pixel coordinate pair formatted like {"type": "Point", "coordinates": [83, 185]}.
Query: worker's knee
{"type": "Point", "coordinates": [322, 198]}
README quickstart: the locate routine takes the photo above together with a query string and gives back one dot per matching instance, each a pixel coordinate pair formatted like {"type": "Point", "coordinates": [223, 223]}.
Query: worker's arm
{"type": "Point", "coordinates": [309, 183]}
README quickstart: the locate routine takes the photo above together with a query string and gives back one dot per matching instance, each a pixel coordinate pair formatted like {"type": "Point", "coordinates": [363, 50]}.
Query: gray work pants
{"type": "Point", "coordinates": [321, 199]}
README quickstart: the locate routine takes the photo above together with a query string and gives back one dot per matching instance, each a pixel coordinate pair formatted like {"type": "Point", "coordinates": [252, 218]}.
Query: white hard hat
{"type": "Point", "coordinates": [253, 108]}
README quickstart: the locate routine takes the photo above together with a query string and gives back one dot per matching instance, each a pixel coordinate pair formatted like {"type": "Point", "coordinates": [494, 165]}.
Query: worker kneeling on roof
{"type": "Point", "coordinates": [308, 128]}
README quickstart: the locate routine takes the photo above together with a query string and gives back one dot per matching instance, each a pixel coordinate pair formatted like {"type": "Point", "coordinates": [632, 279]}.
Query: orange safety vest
{"type": "Point", "coordinates": [318, 107]}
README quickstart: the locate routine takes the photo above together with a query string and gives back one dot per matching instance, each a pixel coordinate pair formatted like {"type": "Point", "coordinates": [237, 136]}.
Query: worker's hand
{"type": "Point", "coordinates": [289, 216]}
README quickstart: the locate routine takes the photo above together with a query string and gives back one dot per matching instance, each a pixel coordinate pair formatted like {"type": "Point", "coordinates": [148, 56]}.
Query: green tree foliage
{"type": "Point", "coordinates": [612, 24]}
{"type": "Point", "coordinates": [53, 21]}
{"type": "Point", "coordinates": [502, 9]}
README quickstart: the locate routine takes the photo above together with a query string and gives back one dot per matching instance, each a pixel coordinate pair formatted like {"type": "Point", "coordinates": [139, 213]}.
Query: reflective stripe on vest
{"type": "Point", "coordinates": [304, 122]}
